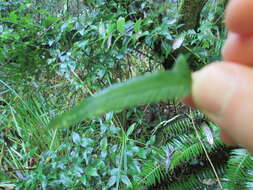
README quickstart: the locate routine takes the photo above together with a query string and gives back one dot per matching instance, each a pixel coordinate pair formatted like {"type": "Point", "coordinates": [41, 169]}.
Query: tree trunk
{"type": "Point", "coordinates": [190, 11]}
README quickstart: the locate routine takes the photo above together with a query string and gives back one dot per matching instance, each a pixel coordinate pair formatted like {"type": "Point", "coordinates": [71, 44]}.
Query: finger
{"type": "Point", "coordinates": [238, 49]}
{"type": "Point", "coordinates": [224, 136]}
{"type": "Point", "coordinates": [224, 92]}
{"type": "Point", "coordinates": [239, 14]}
{"type": "Point", "coordinates": [227, 139]}
{"type": "Point", "coordinates": [188, 101]}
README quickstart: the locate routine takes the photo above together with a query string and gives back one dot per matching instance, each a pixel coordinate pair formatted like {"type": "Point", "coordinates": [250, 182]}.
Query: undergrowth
{"type": "Point", "coordinates": [54, 54]}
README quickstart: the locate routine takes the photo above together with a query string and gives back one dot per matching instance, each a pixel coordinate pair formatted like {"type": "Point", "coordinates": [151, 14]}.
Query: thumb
{"type": "Point", "coordinates": [224, 91]}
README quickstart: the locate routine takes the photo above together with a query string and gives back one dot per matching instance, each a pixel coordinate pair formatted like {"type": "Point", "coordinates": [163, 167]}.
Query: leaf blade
{"type": "Point", "coordinates": [146, 89]}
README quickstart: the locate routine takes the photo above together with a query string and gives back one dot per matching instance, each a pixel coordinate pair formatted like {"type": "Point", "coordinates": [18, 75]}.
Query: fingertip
{"type": "Point", "coordinates": [188, 101]}
{"type": "Point", "coordinates": [227, 139]}
{"type": "Point", "coordinates": [223, 92]}
{"type": "Point", "coordinates": [212, 86]}
{"type": "Point", "coordinates": [238, 17]}
{"type": "Point", "coordinates": [238, 49]}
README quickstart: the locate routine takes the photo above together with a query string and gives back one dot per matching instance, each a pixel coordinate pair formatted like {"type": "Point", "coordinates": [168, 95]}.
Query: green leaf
{"type": "Point", "coordinates": [1, 29]}
{"type": "Point", "coordinates": [126, 181]}
{"type": "Point", "coordinates": [131, 129]}
{"type": "Point", "coordinates": [121, 25]}
{"type": "Point", "coordinates": [166, 48]}
{"type": "Point", "coordinates": [13, 17]}
{"type": "Point", "coordinates": [103, 143]}
{"type": "Point", "coordinates": [112, 181]}
{"type": "Point", "coordinates": [137, 26]}
{"type": "Point", "coordinates": [178, 42]}
{"type": "Point", "coordinates": [145, 89]}
{"type": "Point", "coordinates": [49, 21]}
{"type": "Point", "coordinates": [86, 142]}
{"type": "Point", "coordinates": [76, 138]}
{"type": "Point", "coordinates": [91, 172]}
{"type": "Point", "coordinates": [151, 141]}
{"type": "Point", "coordinates": [83, 179]}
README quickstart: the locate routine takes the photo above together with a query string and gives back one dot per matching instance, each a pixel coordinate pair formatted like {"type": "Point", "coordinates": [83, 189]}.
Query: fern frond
{"type": "Point", "coordinates": [196, 181]}
{"type": "Point", "coordinates": [183, 124]}
{"type": "Point", "coordinates": [184, 155]}
{"type": "Point", "coordinates": [151, 174]}
{"type": "Point", "coordinates": [239, 172]}
{"type": "Point", "coordinates": [178, 127]}
{"type": "Point", "coordinates": [188, 148]}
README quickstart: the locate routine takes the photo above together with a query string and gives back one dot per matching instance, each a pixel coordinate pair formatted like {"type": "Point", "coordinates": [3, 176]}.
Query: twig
{"type": "Point", "coordinates": [204, 148]}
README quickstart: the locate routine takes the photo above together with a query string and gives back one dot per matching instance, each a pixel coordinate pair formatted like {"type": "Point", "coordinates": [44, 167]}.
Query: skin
{"type": "Point", "coordinates": [224, 90]}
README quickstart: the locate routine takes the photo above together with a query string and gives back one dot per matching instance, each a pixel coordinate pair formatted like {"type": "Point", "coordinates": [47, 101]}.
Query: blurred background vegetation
{"type": "Point", "coordinates": [55, 53]}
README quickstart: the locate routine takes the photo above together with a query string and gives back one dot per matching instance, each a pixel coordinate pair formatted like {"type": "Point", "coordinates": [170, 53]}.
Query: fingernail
{"type": "Point", "coordinates": [213, 87]}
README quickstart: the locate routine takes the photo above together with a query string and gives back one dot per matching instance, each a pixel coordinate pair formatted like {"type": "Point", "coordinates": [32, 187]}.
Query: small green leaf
{"type": "Point", "coordinates": [1, 29]}
{"type": "Point", "coordinates": [114, 171]}
{"type": "Point", "coordinates": [112, 181]}
{"type": "Point", "coordinates": [103, 143]}
{"type": "Point", "coordinates": [86, 142]}
{"type": "Point", "coordinates": [82, 44]}
{"type": "Point", "coordinates": [178, 42]}
{"type": "Point", "coordinates": [101, 29]}
{"type": "Point", "coordinates": [110, 28]}
{"type": "Point", "coordinates": [131, 129]}
{"type": "Point", "coordinates": [142, 153]}
{"type": "Point", "coordinates": [76, 138]}
{"type": "Point", "coordinates": [91, 172]}
{"type": "Point", "coordinates": [151, 141]}
{"type": "Point", "coordinates": [146, 89]}
{"type": "Point", "coordinates": [83, 179]}
{"type": "Point", "coordinates": [166, 48]}
{"type": "Point", "coordinates": [126, 181]}
{"type": "Point", "coordinates": [49, 21]}
{"type": "Point", "coordinates": [137, 26]}
{"type": "Point", "coordinates": [121, 25]}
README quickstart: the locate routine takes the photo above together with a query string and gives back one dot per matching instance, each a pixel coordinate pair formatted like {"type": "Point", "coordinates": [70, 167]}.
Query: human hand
{"type": "Point", "coordinates": [224, 90]}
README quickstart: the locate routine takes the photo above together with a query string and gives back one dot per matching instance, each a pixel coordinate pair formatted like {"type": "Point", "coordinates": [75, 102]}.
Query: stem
{"type": "Point", "coordinates": [204, 148]}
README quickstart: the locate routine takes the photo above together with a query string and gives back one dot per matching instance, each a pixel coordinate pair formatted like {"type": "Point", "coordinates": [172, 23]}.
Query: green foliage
{"type": "Point", "coordinates": [54, 54]}
{"type": "Point", "coordinates": [203, 179]}
{"type": "Point", "coordinates": [239, 172]}
{"type": "Point", "coordinates": [180, 124]}
{"type": "Point", "coordinates": [84, 162]}
{"type": "Point", "coordinates": [181, 150]}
